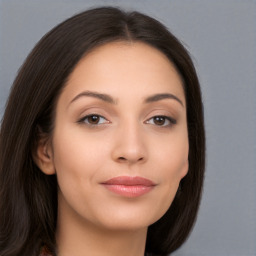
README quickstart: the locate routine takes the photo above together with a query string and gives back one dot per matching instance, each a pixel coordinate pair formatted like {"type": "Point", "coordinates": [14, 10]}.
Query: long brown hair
{"type": "Point", "coordinates": [28, 198]}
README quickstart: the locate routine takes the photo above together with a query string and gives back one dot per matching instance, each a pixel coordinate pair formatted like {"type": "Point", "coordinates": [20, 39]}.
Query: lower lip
{"type": "Point", "coordinates": [129, 191]}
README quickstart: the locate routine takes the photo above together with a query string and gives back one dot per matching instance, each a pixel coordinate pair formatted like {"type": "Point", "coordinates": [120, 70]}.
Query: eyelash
{"type": "Point", "coordinates": [83, 120]}
{"type": "Point", "coordinates": [171, 121]}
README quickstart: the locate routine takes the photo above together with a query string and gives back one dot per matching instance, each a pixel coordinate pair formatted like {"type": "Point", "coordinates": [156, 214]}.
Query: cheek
{"type": "Point", "coordinates": [77, 160]}
{"type": "Point", "coordinates": [77, 149]}
{"type": "Point", "coordinates": [172, 166]}
{"type": "Point", "coordinates": [78, 163]}
{"type": "Point", "coordinates": [172, 156]}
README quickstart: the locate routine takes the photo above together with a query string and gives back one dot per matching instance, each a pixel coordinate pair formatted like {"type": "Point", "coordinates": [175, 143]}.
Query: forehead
{"type": "Point", "coordinates": [137, 54]}
{"type": "Point", "coordinates": [118, 65]}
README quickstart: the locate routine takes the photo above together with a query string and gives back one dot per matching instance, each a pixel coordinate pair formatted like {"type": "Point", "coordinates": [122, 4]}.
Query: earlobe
{"type": "Point", "coordinates": [43, 157]}
{"type": "Point", "coordinates": [185, 169]}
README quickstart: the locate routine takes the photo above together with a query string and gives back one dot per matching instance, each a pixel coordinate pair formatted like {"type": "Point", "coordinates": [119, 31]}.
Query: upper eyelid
{"type": "Point", "coordinates": [96, 110]}
{"type": "Point", "coordinates": [103, 108]}
{"type": "Point", "coordinates": [93, 114]}
{"type": "Point", "coordinates": [164, 113]}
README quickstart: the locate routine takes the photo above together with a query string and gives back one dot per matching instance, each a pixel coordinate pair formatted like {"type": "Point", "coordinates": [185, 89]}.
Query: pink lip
{"type": "Point", "coordinates": [129, 186]}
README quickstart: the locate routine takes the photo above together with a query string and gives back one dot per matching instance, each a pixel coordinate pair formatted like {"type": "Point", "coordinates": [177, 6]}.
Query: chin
{"type": "Point", "coordinates": [129, 220]}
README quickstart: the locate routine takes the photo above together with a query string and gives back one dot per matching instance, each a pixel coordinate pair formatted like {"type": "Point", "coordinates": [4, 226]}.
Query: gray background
{"type": "Point", "coordinates": [221, 36]}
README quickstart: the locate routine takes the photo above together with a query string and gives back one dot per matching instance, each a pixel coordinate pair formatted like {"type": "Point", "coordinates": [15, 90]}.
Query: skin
{"type": "Point", "coordinates": [126, 141]}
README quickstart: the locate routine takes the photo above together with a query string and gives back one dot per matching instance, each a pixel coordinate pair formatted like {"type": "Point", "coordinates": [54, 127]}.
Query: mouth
{"type": "Point", "coordinates": [129, 186]}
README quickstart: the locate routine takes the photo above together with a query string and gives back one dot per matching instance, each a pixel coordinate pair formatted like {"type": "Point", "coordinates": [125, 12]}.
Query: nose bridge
{"type": "Point", "coordinates": [130, 146]}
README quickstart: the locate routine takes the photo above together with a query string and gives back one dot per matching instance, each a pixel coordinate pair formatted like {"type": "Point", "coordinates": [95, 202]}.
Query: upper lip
{"type": "Point", "coordinates": [129, 181]}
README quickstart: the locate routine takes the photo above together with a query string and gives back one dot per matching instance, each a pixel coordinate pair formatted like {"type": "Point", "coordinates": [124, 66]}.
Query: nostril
{"type": "Point", "coordinates": [130, 159]}
{"type": "Point", "coordinates": [124, 159]}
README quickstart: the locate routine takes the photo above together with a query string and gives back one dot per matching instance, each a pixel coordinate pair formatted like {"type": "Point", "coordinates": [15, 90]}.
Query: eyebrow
{"type": "Point", "coordinates": [163, 96]}
{"type": "Point", "coordinates": [107, 98]}
{"type": "Point", "coordinates": [101, 96]}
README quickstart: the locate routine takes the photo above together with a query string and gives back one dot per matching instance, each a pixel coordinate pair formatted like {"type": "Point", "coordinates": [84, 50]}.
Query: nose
{"type": "Point", "coordinates": [129, 146]}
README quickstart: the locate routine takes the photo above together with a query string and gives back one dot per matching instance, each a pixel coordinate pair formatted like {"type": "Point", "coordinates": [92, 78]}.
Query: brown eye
{"type": "Point", "coordinates": [93, 119]}
{"type": "Point", "coordinates": [161, 121]}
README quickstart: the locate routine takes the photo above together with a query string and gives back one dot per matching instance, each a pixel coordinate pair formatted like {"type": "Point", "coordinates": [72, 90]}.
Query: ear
{"type": "Point", "coordinates": [43, 156]}
{"type": "Point", "coordinates": [185, 169]}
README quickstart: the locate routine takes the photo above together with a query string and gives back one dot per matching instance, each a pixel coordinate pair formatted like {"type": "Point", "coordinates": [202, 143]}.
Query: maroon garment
{"type": "Point", "coordinates": [45, 252]}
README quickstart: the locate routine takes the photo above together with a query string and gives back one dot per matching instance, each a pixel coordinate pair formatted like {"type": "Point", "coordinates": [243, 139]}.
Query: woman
{"type": "Point", "coordinates": [102, 145]}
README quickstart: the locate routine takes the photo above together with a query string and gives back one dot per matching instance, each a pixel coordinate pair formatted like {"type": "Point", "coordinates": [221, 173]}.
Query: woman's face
{"type": "Point", "coordinates": [120, 143]}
